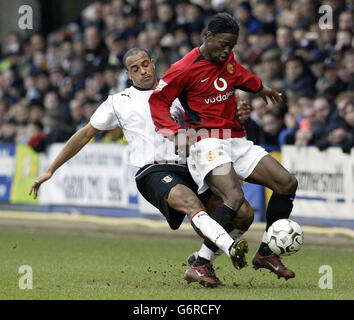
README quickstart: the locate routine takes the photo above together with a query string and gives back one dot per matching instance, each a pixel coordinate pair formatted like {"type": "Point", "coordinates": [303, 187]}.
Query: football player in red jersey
{"type": "Point", "coordinates": [220, 156]}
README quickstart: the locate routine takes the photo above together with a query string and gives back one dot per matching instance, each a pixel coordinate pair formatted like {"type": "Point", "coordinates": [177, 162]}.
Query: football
{"type": "Point", "coordinates": [285, 237]}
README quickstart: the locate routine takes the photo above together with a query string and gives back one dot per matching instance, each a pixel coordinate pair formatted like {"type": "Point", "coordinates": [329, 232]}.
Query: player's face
{"type": "Point", "coordinates": [220, 46]}
{"type": "Point", "coordinates": [141, 70]}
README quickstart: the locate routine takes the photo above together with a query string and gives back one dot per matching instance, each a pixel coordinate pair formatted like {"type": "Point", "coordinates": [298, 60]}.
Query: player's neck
{"type": "Point", "coordinates": [146, 89]}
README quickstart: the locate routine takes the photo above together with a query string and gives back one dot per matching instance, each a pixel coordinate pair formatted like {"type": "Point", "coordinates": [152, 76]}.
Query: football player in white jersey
{"type": "Point", "coordinates": [162, 177]}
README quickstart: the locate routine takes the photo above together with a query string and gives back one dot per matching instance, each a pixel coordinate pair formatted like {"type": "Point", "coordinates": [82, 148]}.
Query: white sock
{"type": "Point", "coordinates": [206, 253]}
{"type": "Point", "coordinates": [210, 255]}
{"type": "Point", "coordinates": [235, 234]}
{"type": "Point", "coordinates": [264, 239]}
{"type": "Point", "coordinates": [213, 231]}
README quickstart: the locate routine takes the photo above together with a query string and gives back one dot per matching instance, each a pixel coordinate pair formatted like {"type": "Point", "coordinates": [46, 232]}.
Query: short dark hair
{"type": "Point", "coordinates": [132, 51]}
{"type": "Point", "coordinates": [223, 22]}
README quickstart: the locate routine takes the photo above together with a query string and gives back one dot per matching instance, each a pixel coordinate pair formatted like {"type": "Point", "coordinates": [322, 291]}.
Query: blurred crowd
{"type": "Point", "coordinates": [50, 86]}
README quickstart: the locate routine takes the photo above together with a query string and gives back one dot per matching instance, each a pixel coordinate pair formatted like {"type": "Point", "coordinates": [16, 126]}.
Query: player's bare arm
{"type": "Point", "coordinates": [72, 147]}
{"type": "Point", "coordinates": [273, 96]}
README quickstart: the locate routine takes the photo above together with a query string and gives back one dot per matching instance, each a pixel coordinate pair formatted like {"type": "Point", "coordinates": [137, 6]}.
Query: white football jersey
{"type": "Point", "coordinates": [130, 110]}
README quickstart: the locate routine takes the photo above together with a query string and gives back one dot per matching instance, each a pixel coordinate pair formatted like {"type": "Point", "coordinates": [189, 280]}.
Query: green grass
{"type": "Point", "coordinates": [140, 267]}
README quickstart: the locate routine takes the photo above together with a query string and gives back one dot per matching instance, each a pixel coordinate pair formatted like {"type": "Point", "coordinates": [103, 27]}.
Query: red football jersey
{"type": "Point", "coordinates": [206, 91]}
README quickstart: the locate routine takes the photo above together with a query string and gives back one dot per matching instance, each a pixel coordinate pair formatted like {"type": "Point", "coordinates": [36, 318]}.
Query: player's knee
{"type": "Point", "coordinates": [245, 217]}
{"type": "Point", "coordinates": [290, 185]}
{"type": "Point", "coordinates": [235, 199]}
{"type": "Point", "coordinates": [213, 203]}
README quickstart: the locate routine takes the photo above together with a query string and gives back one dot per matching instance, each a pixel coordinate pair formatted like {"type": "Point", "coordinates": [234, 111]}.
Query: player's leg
{"type": "Point", "coordinates": [210, 165]}
{"type": "Point", "coordinates": [224, 183]}
{"type": "Point", "coordinates": [208, 251]}
{"type": "Point", "coordinates": [244, 217]}
{"type": "Point", "coordinates": [273, 175]}
{"type": "Point", "coordinates": [172, 195]}
{"type": "Point", "coordinates": [182, 199]}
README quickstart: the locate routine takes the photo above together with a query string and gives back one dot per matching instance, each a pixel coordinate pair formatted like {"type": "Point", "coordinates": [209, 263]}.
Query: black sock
{"type": "Point", "coordinates": [224, 215]}
{"type": "Point", "coordinates": [200, 261]}
{"type": "Point", "coordinates": [264, 250]}
{"type": "Point", "coordinates": [279, 207]}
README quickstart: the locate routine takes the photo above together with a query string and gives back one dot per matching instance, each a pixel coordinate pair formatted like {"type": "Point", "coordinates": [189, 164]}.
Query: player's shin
{"type": "Point", "coordinates": [212, 230]}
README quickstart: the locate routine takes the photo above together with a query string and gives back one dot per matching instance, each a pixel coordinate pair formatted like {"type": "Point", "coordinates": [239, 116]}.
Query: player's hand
{"type": "Point", "coordinates": [272, 95]}
{"type": "Point", "coordinates": [243, 109]}
{"type": "Point", "coordinates": [37, 183]}
{"type": "Point", "coordinates": [182, 144]}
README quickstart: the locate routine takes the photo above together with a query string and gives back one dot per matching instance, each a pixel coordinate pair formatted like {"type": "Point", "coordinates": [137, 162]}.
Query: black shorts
{"type": "Point", "coordinates": [154, 182]}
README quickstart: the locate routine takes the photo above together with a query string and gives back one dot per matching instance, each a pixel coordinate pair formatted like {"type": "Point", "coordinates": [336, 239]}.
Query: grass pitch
{"type": "Point", "coordinates": [151, 267]}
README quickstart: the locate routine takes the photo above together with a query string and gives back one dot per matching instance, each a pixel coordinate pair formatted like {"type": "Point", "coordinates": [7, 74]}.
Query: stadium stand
{"type": "Point", "coordinates": [50, 86]}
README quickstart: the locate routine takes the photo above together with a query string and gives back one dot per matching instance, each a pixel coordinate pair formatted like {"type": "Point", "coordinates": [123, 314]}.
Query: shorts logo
{"type": "Point", "coordinates": [161, 85]}
{"type": "Point", "coordinates": [224, 84]}
{"type": "Point", "coordinates": [167, 179]}
{"type": "Point", "coordinates": [230, 68]}
{"type": "Point", "coordinates": [211, 156]}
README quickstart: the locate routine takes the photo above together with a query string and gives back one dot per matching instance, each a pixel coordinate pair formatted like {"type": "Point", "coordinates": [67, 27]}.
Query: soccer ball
{"type": "Point", "coordinates": [285, 237]}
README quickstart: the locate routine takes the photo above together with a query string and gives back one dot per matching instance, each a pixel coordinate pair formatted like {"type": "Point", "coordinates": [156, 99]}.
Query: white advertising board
{"type": "Point", "coordinates": [326, 181]}
{"type": "Point", "coordinates": [97, 176]}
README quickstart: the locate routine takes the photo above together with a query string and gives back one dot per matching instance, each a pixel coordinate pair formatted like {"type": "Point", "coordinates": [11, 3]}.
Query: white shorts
{"type": "Point", "coordinates": [208, 154]}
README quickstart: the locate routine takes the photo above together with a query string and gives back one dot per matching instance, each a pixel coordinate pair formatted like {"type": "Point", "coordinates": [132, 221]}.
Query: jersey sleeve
{"type": "Point", "coordinates": [168, 89]}
{"type": "Point", "coordinates": [104, 117]}
{"type": "Point", "coordinates": [247, 81]}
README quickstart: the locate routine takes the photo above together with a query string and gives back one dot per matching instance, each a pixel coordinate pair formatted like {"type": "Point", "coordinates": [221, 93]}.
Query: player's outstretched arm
{"type": "Point", "coordinates": [272, 95]}
{"type": "Point", "coordinates": [72, 147]}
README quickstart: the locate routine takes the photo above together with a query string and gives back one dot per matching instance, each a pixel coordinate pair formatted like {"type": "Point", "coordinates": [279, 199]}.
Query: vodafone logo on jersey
{"type": "Point", "coordinates": [218, 82]}
{"type": "Point", "coordinates": [220, 97]}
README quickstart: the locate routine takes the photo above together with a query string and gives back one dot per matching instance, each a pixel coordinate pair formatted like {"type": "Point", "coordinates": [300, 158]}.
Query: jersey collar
{"type": "Point", "coordinates": [141, 89]}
